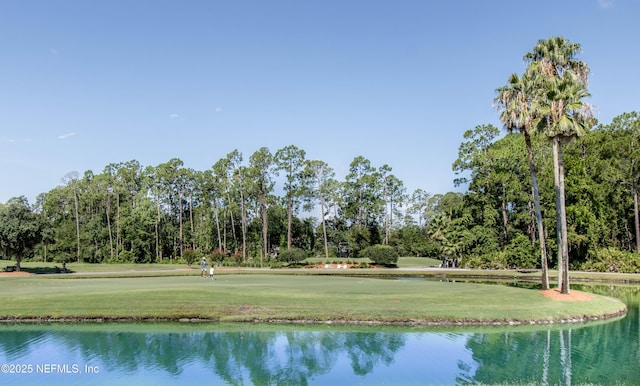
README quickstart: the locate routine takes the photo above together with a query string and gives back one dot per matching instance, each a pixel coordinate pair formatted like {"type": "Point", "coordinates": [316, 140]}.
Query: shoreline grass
{"type": "Point", "coordinates": [274, 297]}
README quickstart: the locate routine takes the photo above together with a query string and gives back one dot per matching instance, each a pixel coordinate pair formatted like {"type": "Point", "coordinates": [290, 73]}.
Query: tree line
{"type": "Point", "coordinates": [132, 213]}
{"type": "Point", "coordinates": [557, 181]}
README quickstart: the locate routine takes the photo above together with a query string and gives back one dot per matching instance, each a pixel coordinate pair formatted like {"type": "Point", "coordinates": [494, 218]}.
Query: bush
{"type": "Point", "coordinates": [125, 257]}
{"type": "Point", "coordinates": [380, 254]}
{"type": "Point", "coordinates": [493, 260]}
{"type": "Point", "coordinates": [237, 258]}
{"type": "Point", "coordinates": [293, 255]}
{"type": "Point", "coordinates": [190, 256]}
{"type": "Point", "coordinates": [217, 256]}
{"type": "Point", "coordinates": [522, 253]}
{"type": "Point", "coordinates": [612, 260]}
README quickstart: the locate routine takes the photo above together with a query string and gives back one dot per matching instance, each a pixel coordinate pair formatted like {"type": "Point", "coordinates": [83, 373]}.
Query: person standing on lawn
{"type": "Point", "coordinates": [203, 267]}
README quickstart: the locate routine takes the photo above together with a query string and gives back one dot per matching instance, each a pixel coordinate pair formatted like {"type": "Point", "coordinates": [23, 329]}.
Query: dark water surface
{"type": "Point", "coordinates": [601, 353]}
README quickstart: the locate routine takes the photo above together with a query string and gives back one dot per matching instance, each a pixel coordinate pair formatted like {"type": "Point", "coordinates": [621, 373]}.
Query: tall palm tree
{"type": "Point", "coordinates": [561, 85]}
{"type": "Point", "coordinates": [517, 114]}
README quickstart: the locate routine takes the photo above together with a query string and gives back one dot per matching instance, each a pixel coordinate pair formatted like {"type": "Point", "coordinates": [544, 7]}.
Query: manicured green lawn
{"type": "Point", "coordinates": [39, 267]}
{"type": "Point", "coordinates": [269, 297]}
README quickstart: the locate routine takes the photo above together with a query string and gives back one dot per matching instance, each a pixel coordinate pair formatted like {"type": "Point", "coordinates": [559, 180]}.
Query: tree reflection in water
{"type": "Point", "coordinates": [247, 357]}
{"type": "Point", "coordinates": [602, 353]}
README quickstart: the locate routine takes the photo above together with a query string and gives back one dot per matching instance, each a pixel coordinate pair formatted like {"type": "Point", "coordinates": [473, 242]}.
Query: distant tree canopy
{"type": "Point", "coordinates": [20, 229]}
{"type": "Point", "coordinates": [555, 182]}
{"type": "Point", "coordinates": [131, 213]}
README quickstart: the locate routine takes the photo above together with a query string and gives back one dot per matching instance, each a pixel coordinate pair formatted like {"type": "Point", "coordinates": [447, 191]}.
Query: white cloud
{"type": "Point", "coordinates": [218, 109]}
{"type": "Point", "coordinates": [173, 116]}
{"type": "Point", "coordinates": [606, 4]}
{"type": "Point", "coordinates": [67, 135]}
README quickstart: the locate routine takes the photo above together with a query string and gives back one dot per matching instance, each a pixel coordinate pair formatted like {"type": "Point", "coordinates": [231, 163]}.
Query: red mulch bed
{"type": "Point", "coordinates": [572, 296]}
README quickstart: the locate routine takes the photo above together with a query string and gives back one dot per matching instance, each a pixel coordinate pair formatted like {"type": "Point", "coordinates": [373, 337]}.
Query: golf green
{"type": "Point", "coordinates": [287, 299]}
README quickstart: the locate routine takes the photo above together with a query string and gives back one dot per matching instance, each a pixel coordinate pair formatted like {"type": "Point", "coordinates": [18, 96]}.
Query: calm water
{"type": "Point", "coordinates": [603, 353]}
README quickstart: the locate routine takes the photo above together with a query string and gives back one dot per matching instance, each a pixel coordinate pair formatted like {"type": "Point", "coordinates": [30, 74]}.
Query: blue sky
{"type": "Point", "coordinates": [88, 83]}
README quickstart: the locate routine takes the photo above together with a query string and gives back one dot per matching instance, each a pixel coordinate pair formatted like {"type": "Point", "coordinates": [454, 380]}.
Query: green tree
{"type": "Point", "coordinates": [190, 256]}
{"type": "Point", "coordinates": [517, 114]}
{"type": "Point", "coordinates": [394, 194]}
{"type": "Point", "coordinates": [362, 193]}
{"type": "Point", "coordinates": [562, 114]}
{"type": "Point", "coordinates": [20, 229]}
{"type": "Point", "coordinates": [262, 170]}
{"type": "Point", "coordinates": [418, 204]}
{"type": "Point", "coordinates": [290, 159]}
{"type": "Point", "coordinates": [224, 177]}
{"type": "Point", "coordinates": [493, 174]}
{"type": "Point", "coordinates": [319, 173]}
{"type": "Point", "coordinates": [171, 188]}
{"type": "Point", "coordinates": [624, 132]}
{"type": "Point", "coordinates": [292, 255]}
{"type": "Point", "coordinates": [71, 179]}
{"type": "Point", "coordinates": [380, 254]}
{"type": "Point", "coordinates": [240, 183]}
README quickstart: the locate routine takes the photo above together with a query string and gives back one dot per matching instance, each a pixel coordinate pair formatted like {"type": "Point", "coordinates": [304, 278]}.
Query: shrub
{"type": "Point", "coordinates": [293, 255]}
{"type": "Point", "coordinates": [521, 253]}
{"type": "Point", "coordinates": [493, 260]}
{"type": "Point", "coordinates": [125, 257]}
{"type": "Point", "coordinates": [238, 259]}
{"type": "Point", "coordinates": [190, 256]}
{"type": "Point", "coordinates": [380, 254]}
{"type": "Point", "coordinates": [612, 260]}
{"type": "Point", "coordinates": [217, 256]}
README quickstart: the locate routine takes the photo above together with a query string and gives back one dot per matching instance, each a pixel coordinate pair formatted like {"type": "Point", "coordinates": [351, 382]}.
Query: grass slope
{"type": "Point", "coordinates": [285, 298]}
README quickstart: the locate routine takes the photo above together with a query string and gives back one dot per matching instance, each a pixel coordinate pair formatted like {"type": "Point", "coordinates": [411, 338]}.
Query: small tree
{"type": "Point", "coordinates": [380, 254]}
{"type": "Point", "coordinates": [190, 256]}
{"type": "Point", "coordinates": [217, 256]}
{"type": "Point", "coordinates": [293, 255]}
{"type": "Point", "coordinates": [20, 229]}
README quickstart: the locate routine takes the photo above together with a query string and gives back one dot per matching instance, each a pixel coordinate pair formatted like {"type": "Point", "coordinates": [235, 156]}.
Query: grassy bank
{"type": "Point", "coordinates": [407, 267]}
{"type": "Point", "coordinates": [267, 297]}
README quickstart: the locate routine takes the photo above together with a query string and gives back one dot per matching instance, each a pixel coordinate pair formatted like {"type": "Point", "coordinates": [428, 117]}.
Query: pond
{"type": "Point", "coordinates": [183, 354]}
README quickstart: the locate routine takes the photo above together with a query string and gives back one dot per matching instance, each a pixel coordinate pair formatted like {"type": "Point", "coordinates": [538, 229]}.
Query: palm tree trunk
{"type": "Point", "coordinates": [559, 233]}
{"type": "Point", "coordinates": [505, 219]}
{"type": "Point", "coordinates": [563, 218]}
{"type": "Point", "coordinates": [538, 213]}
